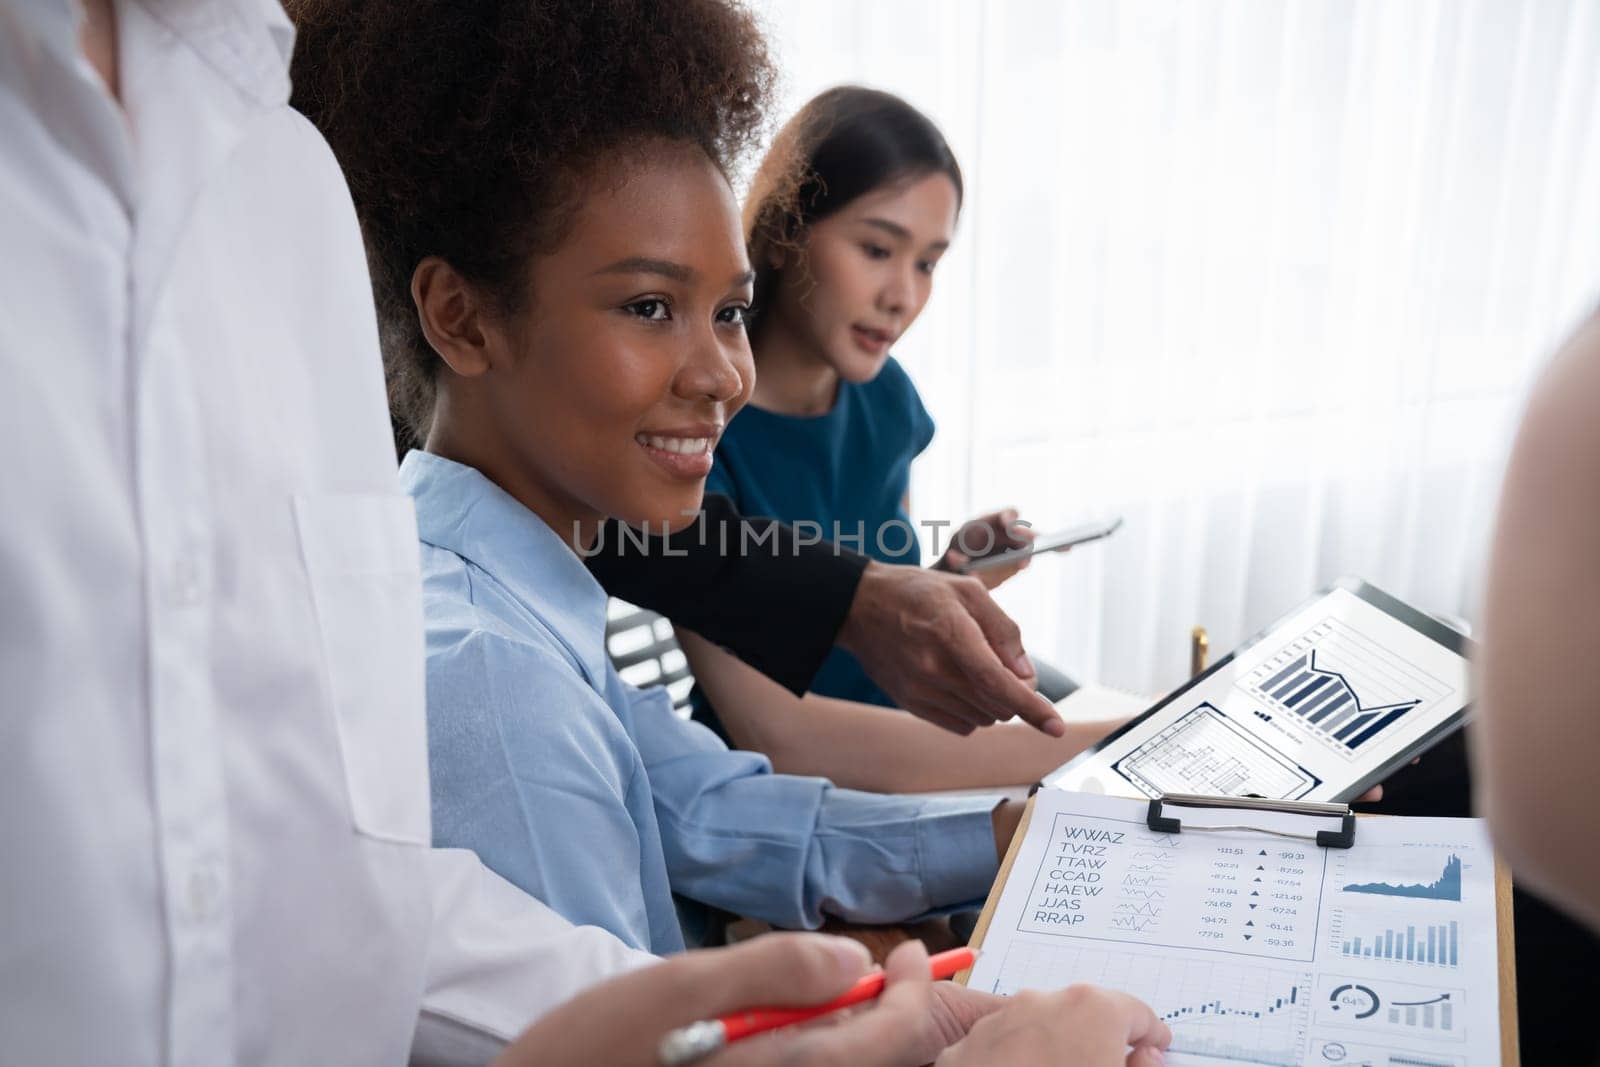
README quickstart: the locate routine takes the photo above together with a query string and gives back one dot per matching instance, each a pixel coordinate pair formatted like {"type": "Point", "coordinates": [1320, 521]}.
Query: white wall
{"type": "Point", "coordinates": [1269, 279]}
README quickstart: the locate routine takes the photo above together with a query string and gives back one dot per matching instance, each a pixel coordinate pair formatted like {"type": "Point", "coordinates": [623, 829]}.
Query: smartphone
{"type": "Point", "coordinates": [1054, 542]}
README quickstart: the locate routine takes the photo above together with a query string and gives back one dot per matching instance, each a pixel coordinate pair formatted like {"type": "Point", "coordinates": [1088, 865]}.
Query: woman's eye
{"type": "Point", "coordinates": [737, 314]}
{"type": "Point", "coordinates": [653, 309]}
{"type": "Point", "coordinates": [875, 251]}
{"type": "Point", "coordinates": [927, 265]}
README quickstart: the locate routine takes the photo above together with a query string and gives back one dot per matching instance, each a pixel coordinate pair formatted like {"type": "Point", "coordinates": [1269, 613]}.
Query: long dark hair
{"type": "Point", "coordinates": [842, 144]}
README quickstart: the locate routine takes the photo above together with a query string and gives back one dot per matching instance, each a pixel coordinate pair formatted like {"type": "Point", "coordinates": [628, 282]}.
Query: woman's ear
{"type": "Point", "coordinates": [452, 317]}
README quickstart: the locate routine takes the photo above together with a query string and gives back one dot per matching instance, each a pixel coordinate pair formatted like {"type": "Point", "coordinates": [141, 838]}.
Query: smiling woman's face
{"type": "Point", "coordinates": [630, 355]}
{"type": "Point", "coordinates": [866, 272]}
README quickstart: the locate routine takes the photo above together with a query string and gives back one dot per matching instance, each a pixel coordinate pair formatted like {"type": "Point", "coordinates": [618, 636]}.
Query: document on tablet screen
{"type": "Point", "coordinates": [1317, 708]}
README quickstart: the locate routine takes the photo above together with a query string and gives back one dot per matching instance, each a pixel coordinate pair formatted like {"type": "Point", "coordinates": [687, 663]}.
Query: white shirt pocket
{"type": "Point", "coordinates": [361, 553]}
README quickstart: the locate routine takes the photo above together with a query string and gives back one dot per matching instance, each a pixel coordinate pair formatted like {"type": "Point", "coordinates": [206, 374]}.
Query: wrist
{"type": "Point", "coordinates": [1006, 818]}
{"type": "Point", "coordinates": [859, 621]}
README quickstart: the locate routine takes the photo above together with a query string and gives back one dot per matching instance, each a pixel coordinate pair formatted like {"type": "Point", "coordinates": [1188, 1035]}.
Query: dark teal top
{"type": "Point", "coordinates": [847, 471]}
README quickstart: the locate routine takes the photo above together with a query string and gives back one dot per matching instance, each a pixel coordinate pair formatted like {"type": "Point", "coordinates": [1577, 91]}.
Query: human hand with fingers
{"type": "Point", "coordinates": [942, 648]}
{"type": "Point", "coordinates": [623, 1021]}
{"type": "Point", "coordinates": [1080, 1026]}
{"type": "Point", "coordinates": [988, 535]}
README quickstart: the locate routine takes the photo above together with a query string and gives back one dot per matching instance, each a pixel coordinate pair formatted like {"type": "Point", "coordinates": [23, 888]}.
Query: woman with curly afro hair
{"type": "Point", "coordinates": [469, 133]}
{"type": "Point", "coordinates": [561, 273]}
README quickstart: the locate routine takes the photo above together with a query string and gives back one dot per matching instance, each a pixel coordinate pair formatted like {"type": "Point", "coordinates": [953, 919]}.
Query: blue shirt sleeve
{"type": "Point", "coordinates": [531, 771]}
{"type": "Point", "coordinates": [789, 849]}
{"type": "Point", "coordinates": [922, 427]}
{"type": "Point", "coordinates": [898, 383]}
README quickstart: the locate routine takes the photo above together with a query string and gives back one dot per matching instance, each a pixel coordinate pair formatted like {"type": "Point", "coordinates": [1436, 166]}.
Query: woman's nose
{"type": "Point", "coordinates": [896, 295]}
{"type": "Point", "coordinates": [711, 374]}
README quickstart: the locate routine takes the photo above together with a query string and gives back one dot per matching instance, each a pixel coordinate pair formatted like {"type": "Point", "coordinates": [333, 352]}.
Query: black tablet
{"type": "Point", "coordinates": [1321, 705]}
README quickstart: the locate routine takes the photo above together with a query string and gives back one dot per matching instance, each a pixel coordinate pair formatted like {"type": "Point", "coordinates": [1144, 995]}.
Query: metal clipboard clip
{"type": "Point", "coordinates": [1344, 837]}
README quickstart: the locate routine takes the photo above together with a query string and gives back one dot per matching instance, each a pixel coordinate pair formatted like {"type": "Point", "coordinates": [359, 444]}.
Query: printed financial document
{"type": "Point", "coordinates": [1255, 948]}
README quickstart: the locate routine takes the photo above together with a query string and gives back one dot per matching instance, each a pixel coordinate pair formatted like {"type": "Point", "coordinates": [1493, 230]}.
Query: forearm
{"type": "Point", "coordinates": [792, 850]}
{"type": "Point", "coordinates": [498, 959]}
{"type": "Point", "coordinates": [747, 584]}
{"type": "Point", "coordinates": [884, 750]}
{"type": "Point", "coordinates": [862, 746]}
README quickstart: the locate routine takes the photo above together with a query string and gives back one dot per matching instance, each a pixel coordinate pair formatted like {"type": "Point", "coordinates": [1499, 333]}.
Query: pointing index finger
{"type": "Point", "coordinates": [991, 686]}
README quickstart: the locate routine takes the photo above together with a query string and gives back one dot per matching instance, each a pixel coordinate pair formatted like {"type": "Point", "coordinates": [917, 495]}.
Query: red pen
{"type": "Point", "coordinates": [699, 1040]}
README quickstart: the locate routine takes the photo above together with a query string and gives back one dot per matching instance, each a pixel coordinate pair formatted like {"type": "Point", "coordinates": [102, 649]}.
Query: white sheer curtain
{"type": "Point", "coordinates": [1268, 279]}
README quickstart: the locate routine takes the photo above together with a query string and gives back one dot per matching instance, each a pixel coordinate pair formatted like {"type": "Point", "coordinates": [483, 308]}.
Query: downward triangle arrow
{"type": "Point", "coordinates": [1247, 937]}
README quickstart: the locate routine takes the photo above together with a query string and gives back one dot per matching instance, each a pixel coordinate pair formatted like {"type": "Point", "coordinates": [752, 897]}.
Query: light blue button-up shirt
{"type": "Point", "coordinates": [594, 797]}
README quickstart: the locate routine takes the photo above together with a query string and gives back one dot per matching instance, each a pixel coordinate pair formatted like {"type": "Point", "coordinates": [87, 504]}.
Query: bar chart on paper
{"type": "Point", "coordinates": [1426, 884]}
{"type": "Point", "coordinates": [1424, 944]}
{"type": "Point", "coordinates": [1341, 685]}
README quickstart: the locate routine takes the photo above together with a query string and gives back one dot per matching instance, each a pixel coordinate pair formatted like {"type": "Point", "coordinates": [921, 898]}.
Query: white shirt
{"type": "Point", "coordinates": [213, 768]}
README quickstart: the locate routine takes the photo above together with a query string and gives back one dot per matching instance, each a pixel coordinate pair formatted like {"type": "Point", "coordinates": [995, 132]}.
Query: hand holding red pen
{"type": "Point", "coordinates": [910, 1023]}
{"type": "Point", "coordinates": [622, 1021]}
{"type": "Point", "coordinates": [699, 1040]}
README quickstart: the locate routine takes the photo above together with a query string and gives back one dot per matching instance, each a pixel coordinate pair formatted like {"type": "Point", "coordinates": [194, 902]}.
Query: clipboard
{"type": "Point", "coordinates": [1510, 1054]}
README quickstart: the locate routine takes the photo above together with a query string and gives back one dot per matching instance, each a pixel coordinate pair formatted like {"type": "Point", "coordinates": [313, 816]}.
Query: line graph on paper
{"type": "Point", "coordinates": [1257, 1014]}
{"type": "Point", "coordinates": [1137, 910]}
{"type": "Point", "coordinates": [1342, 686]}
